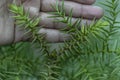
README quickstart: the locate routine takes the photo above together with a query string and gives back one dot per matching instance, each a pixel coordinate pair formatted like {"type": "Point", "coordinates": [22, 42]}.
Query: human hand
{"type": "Point", "coordinates": [11, 33]}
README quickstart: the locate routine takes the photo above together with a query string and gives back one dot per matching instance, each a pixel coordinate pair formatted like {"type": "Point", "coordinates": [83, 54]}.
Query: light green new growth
{"type": "Point", "coordinates": [29, 24]}
{"type": "Point", "coordinates": [23, 20]}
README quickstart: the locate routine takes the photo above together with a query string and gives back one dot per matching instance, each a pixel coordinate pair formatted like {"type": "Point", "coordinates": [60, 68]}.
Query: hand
{"type": "Point", "coordinates": [11, 33]}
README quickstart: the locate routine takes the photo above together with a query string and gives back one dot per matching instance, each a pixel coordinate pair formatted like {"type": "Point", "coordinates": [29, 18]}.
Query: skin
{"type": "Point", "coordinates": [11, 33]}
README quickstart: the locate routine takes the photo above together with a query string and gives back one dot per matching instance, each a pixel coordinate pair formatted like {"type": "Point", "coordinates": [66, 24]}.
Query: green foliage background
{"type": "Point", "coordinates": [92, 54]}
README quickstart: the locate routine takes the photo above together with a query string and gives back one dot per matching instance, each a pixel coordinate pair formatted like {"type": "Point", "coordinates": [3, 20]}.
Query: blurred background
{"type": "Point", "coordinates": [102, 1]}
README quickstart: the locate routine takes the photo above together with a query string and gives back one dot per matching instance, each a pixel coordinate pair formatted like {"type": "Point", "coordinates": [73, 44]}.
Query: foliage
{"type": "Point", "coordinates": [93, 53]}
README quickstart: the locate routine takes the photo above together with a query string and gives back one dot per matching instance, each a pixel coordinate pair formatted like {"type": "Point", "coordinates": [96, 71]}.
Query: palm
{"type": "Point", "coordinates": [9, 33]}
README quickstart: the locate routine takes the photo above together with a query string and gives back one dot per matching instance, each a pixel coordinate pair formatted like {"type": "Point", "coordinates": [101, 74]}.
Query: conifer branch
{"type": "Point", "coordinates": [29, 24]}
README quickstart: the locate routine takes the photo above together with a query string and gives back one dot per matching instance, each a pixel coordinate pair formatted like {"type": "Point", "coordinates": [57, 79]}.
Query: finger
{"type": "Point", "coordinates": [85, 11]}
{"type": "Point", "coordinates": [50, 35]}
{"type": "Point", "coordinates": [79, 10]}
{"type": "Point", "coordinates": [50, 22]}
{"type": "Point", "coordinates": [33, 6]}
{"type": "Point", "coordinates": [89, 2]}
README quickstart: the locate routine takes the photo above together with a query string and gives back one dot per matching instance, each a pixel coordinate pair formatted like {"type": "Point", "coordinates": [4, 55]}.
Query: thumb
{"type": "Point", "coordinates": [6, 23]}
